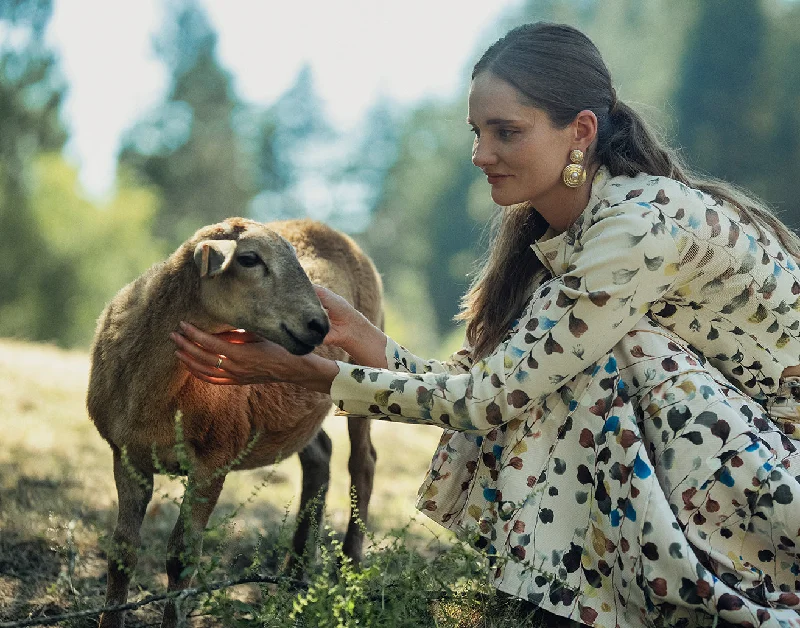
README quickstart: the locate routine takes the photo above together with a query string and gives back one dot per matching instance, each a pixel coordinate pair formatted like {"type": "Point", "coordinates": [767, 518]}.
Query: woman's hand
{"type": "Point", "coordinates": [352, 331]}
{"type": "Point", "coordinates": [344, 318]}
{"type": "Point", "coordinates": [243, 358]}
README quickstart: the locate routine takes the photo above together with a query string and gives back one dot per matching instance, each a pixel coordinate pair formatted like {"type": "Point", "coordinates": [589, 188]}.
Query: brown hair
{"type": "Point", "coordinates": [557, 69]}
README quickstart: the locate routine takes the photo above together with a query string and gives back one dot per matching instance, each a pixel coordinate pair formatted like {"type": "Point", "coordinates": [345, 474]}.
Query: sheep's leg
{"type": "Point", "coordinates": [362, 472]}
{"type": "Point", "coordinates": [134, 490]}
{"type": "Point", "coordinates": [315, 459]}
{"type": "Point", "coordinates": [186, 541]}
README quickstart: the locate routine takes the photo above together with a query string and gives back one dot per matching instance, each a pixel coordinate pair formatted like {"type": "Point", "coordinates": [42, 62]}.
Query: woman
{"type": "Point", "coordinates": [618, 425]}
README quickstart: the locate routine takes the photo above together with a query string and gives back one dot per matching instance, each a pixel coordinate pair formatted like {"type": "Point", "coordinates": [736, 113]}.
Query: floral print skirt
{"type": "Point", "coordinates": [661, 496]}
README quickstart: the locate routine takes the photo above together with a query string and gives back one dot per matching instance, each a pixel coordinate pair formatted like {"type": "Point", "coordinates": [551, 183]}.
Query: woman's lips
{"type": "Point", "coordinates": [495, 178]}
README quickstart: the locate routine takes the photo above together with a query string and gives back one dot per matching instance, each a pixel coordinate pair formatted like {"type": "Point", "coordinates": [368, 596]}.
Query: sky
{"type": "Point", "coordinates": [406, 50]}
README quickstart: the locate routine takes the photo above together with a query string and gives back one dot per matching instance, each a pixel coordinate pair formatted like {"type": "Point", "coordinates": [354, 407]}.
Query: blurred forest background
{"type": "Point", "coordinates": [719, 78]}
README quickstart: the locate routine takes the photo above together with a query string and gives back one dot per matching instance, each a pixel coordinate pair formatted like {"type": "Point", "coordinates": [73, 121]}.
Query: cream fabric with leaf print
{"type": "Point", "coordinates": [564, 456]}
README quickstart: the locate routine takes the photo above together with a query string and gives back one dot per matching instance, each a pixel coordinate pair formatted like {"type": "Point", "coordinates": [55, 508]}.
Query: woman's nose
{"type": "Point", "coordinates": [482, 155]}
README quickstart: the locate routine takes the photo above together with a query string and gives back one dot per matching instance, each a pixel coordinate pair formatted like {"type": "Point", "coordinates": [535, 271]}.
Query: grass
{"type": "Point", "coordinates": [58, 506]}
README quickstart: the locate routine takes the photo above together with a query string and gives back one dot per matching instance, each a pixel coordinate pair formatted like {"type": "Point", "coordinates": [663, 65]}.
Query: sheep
{"type": "Point", "coordinates": [237, 274]}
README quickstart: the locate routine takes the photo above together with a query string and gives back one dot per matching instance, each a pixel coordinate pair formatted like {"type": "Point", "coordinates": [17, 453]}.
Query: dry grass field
{"type": "Point", "coordinates": [58, 501]}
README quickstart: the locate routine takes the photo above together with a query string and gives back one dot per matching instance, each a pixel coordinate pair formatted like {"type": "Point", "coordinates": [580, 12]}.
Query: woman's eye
{"type": "Point", "coordinates": [248, 260]}
{"type": "Point", "coordinates": [505, 134]}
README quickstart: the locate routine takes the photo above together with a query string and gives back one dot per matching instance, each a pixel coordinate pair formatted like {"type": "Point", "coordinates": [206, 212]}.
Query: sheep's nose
{"type": "Point", "coordinates": [319, 328]}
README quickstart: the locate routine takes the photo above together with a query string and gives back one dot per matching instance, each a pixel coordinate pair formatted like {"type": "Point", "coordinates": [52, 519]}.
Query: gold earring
{"type": "Point", "coordinates": [574, 175]}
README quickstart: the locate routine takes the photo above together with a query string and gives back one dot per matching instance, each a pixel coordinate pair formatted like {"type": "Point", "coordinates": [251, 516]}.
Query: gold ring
{"type": "Point", "coordinates": [219, 362]}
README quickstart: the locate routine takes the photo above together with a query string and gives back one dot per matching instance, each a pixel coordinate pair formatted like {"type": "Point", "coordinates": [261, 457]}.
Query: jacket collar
{"type": "Point", "coordinates": [549, 248]}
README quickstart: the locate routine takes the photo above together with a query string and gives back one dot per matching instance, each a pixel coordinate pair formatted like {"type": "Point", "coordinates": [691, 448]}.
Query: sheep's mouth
{"type": "Point", "coordinates": [298, 347]}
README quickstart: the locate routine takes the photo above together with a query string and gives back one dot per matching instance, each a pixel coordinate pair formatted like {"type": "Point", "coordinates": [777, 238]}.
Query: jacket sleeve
{"type": "Point", "coordinates": [401, 359]}
{"type": "Point", "coordinates": [623, 262]}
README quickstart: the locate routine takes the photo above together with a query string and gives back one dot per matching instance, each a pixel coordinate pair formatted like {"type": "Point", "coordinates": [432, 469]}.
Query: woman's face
{"type": "Point", "coordinates": [518, 148]}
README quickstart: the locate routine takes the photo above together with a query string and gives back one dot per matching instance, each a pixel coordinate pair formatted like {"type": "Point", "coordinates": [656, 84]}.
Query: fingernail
{"type": "Point", "coordinates": [184, 325]}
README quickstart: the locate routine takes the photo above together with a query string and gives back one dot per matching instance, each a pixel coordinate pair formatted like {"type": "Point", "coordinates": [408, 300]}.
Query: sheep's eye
{"type": "Point", "coordinates": [248, 260]}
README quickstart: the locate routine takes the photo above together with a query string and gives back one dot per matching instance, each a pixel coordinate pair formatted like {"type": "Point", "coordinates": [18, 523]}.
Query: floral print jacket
{"type": "Point", "coordinates": [644, 245]}
{"type": "Point", "coordinates": [543, 463]}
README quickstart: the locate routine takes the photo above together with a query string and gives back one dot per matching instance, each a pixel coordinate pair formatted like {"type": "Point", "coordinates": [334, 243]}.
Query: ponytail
{"type": "Point", "coordinates": [626, 146]}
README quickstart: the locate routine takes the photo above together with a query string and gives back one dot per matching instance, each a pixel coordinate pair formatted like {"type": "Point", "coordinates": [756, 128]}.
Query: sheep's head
{"type": "Point", "coordinates": [256, 283]}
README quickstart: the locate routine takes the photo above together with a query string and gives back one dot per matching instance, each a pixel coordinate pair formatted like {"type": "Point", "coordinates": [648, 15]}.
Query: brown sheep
{"type": "Point", "coordinates": [238, 274]}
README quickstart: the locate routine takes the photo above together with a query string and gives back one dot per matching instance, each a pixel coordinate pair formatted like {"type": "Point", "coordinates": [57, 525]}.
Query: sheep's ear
{"type": "Point", "coordinates": [214, 256]}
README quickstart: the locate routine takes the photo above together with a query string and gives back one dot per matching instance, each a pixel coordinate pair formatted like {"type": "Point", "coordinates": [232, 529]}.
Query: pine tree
{"type": "Point", "coordinates": [296, 155]}
{"type": "Point", "coordinates": [189, 148]}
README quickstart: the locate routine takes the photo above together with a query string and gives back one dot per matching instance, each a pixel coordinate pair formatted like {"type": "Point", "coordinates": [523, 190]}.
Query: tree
{"type": "Point", "coordinates": [33, 284]}
{"type": "Point", "coordinates": [359, 187]}
{"type": "Point", "coordinates": [305, 167]}
{"type": "Point", "coordinates": [719, 99]}
{"type": "Point", "coordinates": [293, 154]}
{"type": "Point", "coordinates": [94, 250]}
{"type": "Point", "coordinates": [780, 113]}
{"type": "Point", "coordinates": [188, 148]}
{"type": "Point", "coordinates": [425, 231]}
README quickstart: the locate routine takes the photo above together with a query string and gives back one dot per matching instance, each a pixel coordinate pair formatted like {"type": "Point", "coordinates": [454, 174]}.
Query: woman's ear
{"type": "Point", "coordinates": [585, 128]}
